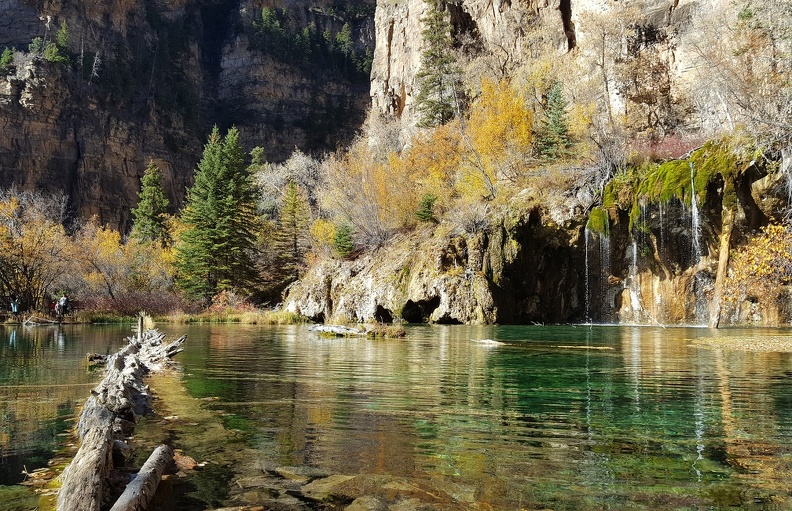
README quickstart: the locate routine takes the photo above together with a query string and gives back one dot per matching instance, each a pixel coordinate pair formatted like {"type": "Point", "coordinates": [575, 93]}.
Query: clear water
{"type": "Point", "coordinates": [43, 375]}
{"type": "Point", "coordinates": [552, 418]}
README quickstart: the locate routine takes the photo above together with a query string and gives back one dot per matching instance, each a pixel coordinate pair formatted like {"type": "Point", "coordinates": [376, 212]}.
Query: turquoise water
{"type": "Point", "coordinates": [554, 417]}
{"type": "Point", "coordinates": [550, 418]}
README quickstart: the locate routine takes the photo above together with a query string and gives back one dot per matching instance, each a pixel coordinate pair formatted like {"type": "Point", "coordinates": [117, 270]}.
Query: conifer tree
{"type": "Point", "coordinates": [553, 137]}
{"type": "Point", "coordinates": [151, 212]}
{"type": "Point", "coordinates": [216, 248]}
{"type": "Point", "coordinates": [439, 78]}
{"type": "Point", "coordinates": [343, 240]}
{"type": "Point", "coordinates": [291, 238]}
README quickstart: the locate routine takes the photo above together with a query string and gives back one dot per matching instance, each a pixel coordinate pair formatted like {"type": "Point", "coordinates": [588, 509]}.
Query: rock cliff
{"type": "Point", "coordinates": [147, 80]}
{"type": "Point", "coordinates": [508, 33]}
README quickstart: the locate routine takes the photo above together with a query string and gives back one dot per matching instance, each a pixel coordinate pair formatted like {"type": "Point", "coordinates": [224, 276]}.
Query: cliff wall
{"type": "Point", "coordinates": [588, 36]}
{"type": "Point", "coordinates": [147, 80]}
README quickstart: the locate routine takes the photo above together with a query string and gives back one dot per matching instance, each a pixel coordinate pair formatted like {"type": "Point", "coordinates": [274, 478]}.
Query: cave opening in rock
{"type": "Point", "coordinates": [383, 315]}
{"type": "Point", "coordinates": [448, 320]}
{"type": "Point", "coordinates": [420, 311]}
{"type": "Point", "coordinates": [566, 19]}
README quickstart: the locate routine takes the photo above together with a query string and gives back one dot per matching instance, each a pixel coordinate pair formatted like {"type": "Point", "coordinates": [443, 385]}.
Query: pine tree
{"type": "Point", "coordinates": [291, 238]}
{"type": "Point", "coordinates": [553, 137]}
{"type": "Point", "coordinates": [439, 78]}
{"type": "Point", "coordinates": [215, 250]}
{"type": "Point", "coordinates": [343, 240]}
{"type": "Point", "coordinates": [6, 61]}
{"type": "Point", "coordinates": [151, 212]}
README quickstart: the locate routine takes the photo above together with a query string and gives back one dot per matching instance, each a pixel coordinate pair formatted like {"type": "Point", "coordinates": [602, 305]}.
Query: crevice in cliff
{"type": "Point", "coordinates": [565, 7]}
{"type": "Point", "coordinates": [216, 19]}
{"type": "Point", "coordinates": [383, 315]}
{"type": "Point", "coordinates": [420, 311]}
{"type": "Point", "coordinates": [464, 29]}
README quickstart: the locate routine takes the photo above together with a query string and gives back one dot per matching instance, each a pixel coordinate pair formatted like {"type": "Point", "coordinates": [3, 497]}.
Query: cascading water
{"type": "Point", "coordinates": [633, 285]}
{"type": "Point", "coordinates": [701, 280]}
{"type": "Point", "coordinates": [587, 317]}
{"type": "Point", "coordinates": [695, 228]}
{"type": "Point", "coordinates": [605, 272]}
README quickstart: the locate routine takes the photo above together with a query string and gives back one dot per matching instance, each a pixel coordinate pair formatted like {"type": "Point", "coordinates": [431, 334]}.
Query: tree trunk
{"type": "Point", "coordinates": [727, 221]}
{"type": "Point", "coordinates": [109, 414]}
{"type": "Point", "coordinates": [139, 492]}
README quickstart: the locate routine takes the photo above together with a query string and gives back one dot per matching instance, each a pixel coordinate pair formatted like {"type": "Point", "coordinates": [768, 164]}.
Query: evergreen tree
{"type": "Point", "coordinates": [6, 61]}
{"type": "Point", "coordinates": [291, 238]}
{"type": "Point", "coordinates": [439, 78]}
{"type": "Point", "coordinates": [151, 212]}
{"type": "Point", "coordinates": [553, 137]}
{"type": "Point", "coordinates": [343, 240]}
{"type": "Point", "coordinates": [425, 212]}
{"type": "Point", "coordinates": [216, 248]}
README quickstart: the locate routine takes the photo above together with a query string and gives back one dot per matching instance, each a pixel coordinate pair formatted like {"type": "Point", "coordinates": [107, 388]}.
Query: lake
{"type": "Point", "coordinates": [557, 417]}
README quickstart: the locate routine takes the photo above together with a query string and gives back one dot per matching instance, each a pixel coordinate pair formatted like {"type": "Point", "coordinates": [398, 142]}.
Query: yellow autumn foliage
{"type": "Point", "coordinates": [500, 122]}
{"type": "Point", "coordinates": [759, 268]}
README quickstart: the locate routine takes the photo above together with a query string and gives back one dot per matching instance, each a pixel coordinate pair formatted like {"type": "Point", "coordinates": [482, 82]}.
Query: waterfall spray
{"type": "Point", "coordinates": [634, 288]}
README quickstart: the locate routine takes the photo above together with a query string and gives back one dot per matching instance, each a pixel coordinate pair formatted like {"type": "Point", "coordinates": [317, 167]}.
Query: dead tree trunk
{"type": "Point", "coordinates": [109, 414]}
{"type": "Point", "coordinates": [139, 492]}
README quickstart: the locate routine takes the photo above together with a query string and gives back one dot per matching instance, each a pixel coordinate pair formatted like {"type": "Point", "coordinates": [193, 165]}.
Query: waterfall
{"type": "Point", "coordinates": [605, 272]}
{"type": "Point", "coordinates": [587, 317]}
{"type": "Point", "coordinates": [695, 231]}
{"type": "Point", "coordinates": [662, 230]}
{"type": "Point", "coordinates": [633, 285]}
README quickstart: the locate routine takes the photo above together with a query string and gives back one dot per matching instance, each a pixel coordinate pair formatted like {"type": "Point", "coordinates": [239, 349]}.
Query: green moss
{"type": "Point", "coordinates": [672, 179]}
{"type": "Point", "coordinates": [599, 221]}
{"type": "Point", "coordinates": [609, 195]}
{"type": "Point", "coordinates": [635, 214]}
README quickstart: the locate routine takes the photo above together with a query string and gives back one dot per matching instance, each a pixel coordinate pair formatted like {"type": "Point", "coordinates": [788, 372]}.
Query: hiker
{"type": "Point", "coordinates": [62, 306]}
{"type": "Point", "coordinates": [15, 307]}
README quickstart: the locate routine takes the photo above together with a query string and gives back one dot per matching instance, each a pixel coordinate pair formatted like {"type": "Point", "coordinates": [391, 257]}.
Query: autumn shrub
{"type": "Point", "coordinates": [225, 301]}
{"type": "Point", "coordinates": [322, 233]}
{"type": "Point", "coordinates": [431, 164]}
{"type": "Point", "coordinates": [760, 268]}
{"type": "Point", "coordinates": [364, 193]}
{"type": "Point", "coordinates": [642, 150]}
{"type": "Point", "coordinates": [129, 304]}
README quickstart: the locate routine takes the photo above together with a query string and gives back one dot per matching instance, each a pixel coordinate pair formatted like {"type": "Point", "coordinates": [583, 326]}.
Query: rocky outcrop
{"type": "Point", "coordinates": [517, 270]}
{"type": "Point", "coordinates": [417, 278]}
{"type": "Point", "coordinates": [499, 25]}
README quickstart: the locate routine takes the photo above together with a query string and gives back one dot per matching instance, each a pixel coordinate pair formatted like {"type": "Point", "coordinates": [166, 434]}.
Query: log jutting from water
{"type": "Point", "coordinates": [109, 415]}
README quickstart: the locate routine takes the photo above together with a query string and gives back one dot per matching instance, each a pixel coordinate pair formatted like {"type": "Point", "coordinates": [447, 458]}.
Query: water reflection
{"type": "Point", "coordinates": [42, 378]}
{"type": "Point", "coordinates": [560, 417]}
{"type": "Point", "coordinates": [554, 417]}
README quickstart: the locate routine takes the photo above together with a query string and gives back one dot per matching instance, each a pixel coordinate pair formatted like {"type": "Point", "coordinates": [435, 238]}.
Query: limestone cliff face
{"type": "Point", "coordinates": [517, 270]}
{"type": "Point", "coordinates": [506, 30]}
{"type": "Point", "coordinates": [147, 80]}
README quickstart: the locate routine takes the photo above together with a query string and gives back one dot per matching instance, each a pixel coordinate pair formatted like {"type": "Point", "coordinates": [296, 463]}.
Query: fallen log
{"type": "Point", "coordinates": [139, 492]}
{"type": "Point", "coordinates": [108, 417]}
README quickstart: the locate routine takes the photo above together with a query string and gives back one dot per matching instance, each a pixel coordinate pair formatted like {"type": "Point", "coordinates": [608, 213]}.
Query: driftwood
{"type": "Point", "coordinates": [139, 492]}
{"type": "Point", "coordinates": [108, 416]}
{"type": "Point", "coordinates": [338, 330]}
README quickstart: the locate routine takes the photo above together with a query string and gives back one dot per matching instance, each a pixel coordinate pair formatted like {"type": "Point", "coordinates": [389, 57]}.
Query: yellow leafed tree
{"type": "Point", "coordinates": [33, 245]}
{"type": "Point", "coordinates": [500, 135]}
